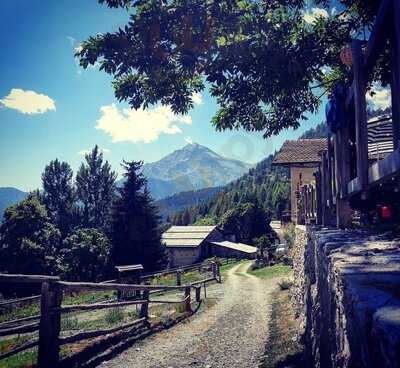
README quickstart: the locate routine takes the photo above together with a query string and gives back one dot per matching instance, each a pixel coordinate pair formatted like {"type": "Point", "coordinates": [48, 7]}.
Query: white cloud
{"type": "Point", "coordinates": [129, 125]}
{"type": "Point", "coordinates": [87, 151]}
{"type": "Point", "coordinates": [188, 140]}
{"type": "Point", "coordinates": [71, 40]}
{"type": "Point", "coordinates": [197, 98]}
{"type": "Point", "coordinates": [312, 15]}
{"type": "Point", "coordinates": [28, 102]}
{"type": "Point", "coordinates": [381, 98]}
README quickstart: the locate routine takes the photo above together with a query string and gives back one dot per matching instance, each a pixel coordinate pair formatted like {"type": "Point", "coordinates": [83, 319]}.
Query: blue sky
{"type": "Point", "coordinates": [59, 116]}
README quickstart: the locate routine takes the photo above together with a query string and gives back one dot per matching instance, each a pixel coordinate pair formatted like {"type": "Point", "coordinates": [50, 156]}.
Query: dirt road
{"type": "Point", "coordinates": [232, 333]}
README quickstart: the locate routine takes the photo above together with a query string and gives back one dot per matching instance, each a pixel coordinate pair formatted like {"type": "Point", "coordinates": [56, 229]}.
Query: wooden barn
{"type": "Point", "coordinates": [190, 244]}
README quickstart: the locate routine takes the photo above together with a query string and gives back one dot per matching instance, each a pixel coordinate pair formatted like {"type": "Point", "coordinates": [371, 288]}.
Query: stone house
{"type": "Point", "coordinates": [303, 157]}
{"type": "Point", "coordinates": [190, 244]}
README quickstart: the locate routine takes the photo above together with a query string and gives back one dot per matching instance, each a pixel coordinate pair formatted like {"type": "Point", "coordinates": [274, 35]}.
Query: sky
{"type": "Point", "coordinates": [51, 108]}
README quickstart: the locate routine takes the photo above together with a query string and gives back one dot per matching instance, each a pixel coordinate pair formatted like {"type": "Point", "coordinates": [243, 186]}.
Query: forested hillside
{"type": "Point", "coordinates": [177, 202]}
{"type": "Point", "coordinates": [265, 186]}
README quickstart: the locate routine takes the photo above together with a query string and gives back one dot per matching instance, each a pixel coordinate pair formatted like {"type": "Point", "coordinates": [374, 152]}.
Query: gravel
{"type": "Point", "coordinates": [232, 333]}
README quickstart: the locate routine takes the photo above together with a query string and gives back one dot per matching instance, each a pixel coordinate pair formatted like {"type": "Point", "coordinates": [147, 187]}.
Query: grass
{"type": "Point", "coordinates": [282, 349]}
{"type": "Point", "coordinates": [226, 267]}
{"type": "Point", "coordinates": [277, 270]}
{"type": "Point", "coordinates": [21, 360]}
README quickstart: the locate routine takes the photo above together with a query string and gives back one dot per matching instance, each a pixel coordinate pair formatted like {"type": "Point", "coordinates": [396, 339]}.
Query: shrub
{"type": "Point", "coordinates": [285, 284]}
{"type": "Point", "coordinates": [114, 315]}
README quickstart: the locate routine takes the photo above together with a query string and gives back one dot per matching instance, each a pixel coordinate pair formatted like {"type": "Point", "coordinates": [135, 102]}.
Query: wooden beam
{"type": "Point", "coordinates": [4, 277]}
{"type": "Point", "coordinates": [20, 329]}
{"type": "Point", "coordinates": [90, 334]}
{"type": "Point", "coordinates": [95, 306]}
{"type": "Point", "coordinates": [384, 169]}
{"type": "Point", "coordinates": [379, 32]}
{"type": "Point", "coordinates": [329, 169]}
{"type": "Point", "coordinates": [20, 300]}
{"type": "Point", "coordinates": [19, 320]}
{"type": "Point", "coordinates": [360, 114]}
{"type": "Point", "coordinates": [17, 350]}
{"type": "Point", "coordinates": [395, 66]}
{"type": "Point", "coordinates": [78, 286]}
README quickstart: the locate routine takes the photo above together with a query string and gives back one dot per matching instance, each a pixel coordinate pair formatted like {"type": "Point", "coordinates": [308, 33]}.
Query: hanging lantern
{"type": "Point", "coordinates": [346, 56]}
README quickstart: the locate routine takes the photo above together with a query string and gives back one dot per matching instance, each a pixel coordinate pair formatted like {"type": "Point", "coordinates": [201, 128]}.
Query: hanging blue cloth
{"type": "Point", "coordinates": [335, 109]}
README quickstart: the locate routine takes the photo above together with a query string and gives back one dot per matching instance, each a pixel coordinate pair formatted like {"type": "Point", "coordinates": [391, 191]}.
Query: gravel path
{"type": "Point", "coordinates": [232, 333]}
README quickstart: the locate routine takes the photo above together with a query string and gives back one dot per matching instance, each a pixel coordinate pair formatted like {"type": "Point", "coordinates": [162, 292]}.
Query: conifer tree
{"type": "Point", "coordinates": [135, 235]}
{"type": "Point", "coordinates": [95, 184]}
{"type": "Point", "coordinates": [58, 194]}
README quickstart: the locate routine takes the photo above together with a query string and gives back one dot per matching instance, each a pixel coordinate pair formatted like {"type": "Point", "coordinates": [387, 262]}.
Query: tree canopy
{"type": "Point", "coordinates": [261, 60]}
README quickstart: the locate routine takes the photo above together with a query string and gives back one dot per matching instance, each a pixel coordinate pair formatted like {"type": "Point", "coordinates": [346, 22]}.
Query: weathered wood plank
{"type": "Point", "coordinates": [31, 327]}
{"type": "Point", "coordinates": [76, 286]}
{"type": "Point", "coordinates": [19, 320]}
{"type": "Point", "coordinates": [4, 277]}
{"type": "Point", "coordinates": [20, 300]}
{"type": "Point", "coordinates": [90, 334]}
{"type": "Point", "coordinates": [385, 168]}
{"type": "Point", "coordinates": [19, 349]}
{"type": "Point", "coordinates": [50, 324]}
{"type": "Point", "coordinates": [144, 309]}
{"type": "Point", "coordinates": [94, 306]}
{"type": "Point", "coordinates": [360, 105]}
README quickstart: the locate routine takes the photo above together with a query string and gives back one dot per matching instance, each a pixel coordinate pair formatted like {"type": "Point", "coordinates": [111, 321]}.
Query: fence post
{"type": "Point", "coordinates": [144, 308]}
{"type": "Point", "coordinates": [187, 299]}
{"type": "Point", "coordinates": [49, 328]}
{"type": "Point", "coordinates": [178, 278]}
{"type": "Point", "coordinates": [198, 293]}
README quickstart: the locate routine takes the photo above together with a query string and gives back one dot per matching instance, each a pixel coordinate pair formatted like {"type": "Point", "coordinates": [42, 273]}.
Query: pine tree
{"type": "Point", "coordinates": [135, 234]}
{"type": "Point", "coordinates": [58, 194]}
{"type": "Point", "coordinates": [95, 184]}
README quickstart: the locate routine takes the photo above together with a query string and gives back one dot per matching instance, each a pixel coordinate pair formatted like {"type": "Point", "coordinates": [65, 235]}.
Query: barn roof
{"type": "Point", "coordinates": [300, 151]}
{"type": "Point", "coordinates": [186, 236]}
{"type": "Point", "coordinates": [237, 246]}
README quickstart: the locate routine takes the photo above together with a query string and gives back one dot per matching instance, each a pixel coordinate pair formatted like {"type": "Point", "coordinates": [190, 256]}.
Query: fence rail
{"type": "Point", "coordinates": [51, 309]}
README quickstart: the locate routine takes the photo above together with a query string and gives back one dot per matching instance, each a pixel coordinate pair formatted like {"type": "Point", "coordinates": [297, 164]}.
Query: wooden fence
{"type": "Point", "coordinates": [348, 173]}
{"type": "Point", "coordinates": [48, 323]}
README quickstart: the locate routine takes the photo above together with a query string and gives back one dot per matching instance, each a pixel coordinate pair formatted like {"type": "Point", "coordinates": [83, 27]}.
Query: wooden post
{"type": "Point", "coordinates": [329, 173]}
{"type": "Point", "coordinates": [214, 270]}
{"type": "Point", "coordinates": [318, 197]}
{"type": "Point", "coordinates": [360, 114]}
{"type": "Point", "coordinates": [395, 83]}
{"type": "Point", "coordinates": [49, 328]}
{"type": "Point", "coordinates": [188, 308]}
{"type": "Point", "coordinates": [179, 278]}
{"type": "Point", "coordinates": [198, 293]}
{"type": "Point", "coordinates": [343, 211]}
{"type": "Point", "coordinates": [324, 214]}
{"type": "Point", "coordinates": [144, 308]}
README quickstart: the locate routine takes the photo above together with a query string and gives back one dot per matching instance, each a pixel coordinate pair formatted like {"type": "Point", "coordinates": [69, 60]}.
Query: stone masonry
{"type": "Point", "coordinates": [347, 295]}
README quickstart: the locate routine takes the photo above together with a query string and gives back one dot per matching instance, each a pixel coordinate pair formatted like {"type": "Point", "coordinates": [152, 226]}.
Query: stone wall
{"type": "Point", "coordinates": [347, 295]}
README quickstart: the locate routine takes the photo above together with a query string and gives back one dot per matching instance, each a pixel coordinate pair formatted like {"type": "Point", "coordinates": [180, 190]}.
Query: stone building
{"type": "Point", "coordinates": [303, 157]}
{"type": "Point", "coordinates": [190, 244]}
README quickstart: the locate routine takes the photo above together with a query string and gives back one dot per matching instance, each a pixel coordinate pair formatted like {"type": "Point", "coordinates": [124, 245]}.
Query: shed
{"type": "Point", "coordinates": [189, 244]}
{"type": "Point", "coordinates": [227, 248]}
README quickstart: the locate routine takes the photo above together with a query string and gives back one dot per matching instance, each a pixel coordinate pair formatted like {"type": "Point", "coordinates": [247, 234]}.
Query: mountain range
{"type": "Point", "coordinates": [190, 168]}
{"type": "Point", "coordinates": [9, 196]}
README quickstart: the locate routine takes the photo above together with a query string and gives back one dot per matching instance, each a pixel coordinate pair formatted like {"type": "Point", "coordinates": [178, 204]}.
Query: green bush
{"type": "Point", "coordinates": [285, 284]}
{"type": "Point", "coordinates": [114, 315]}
